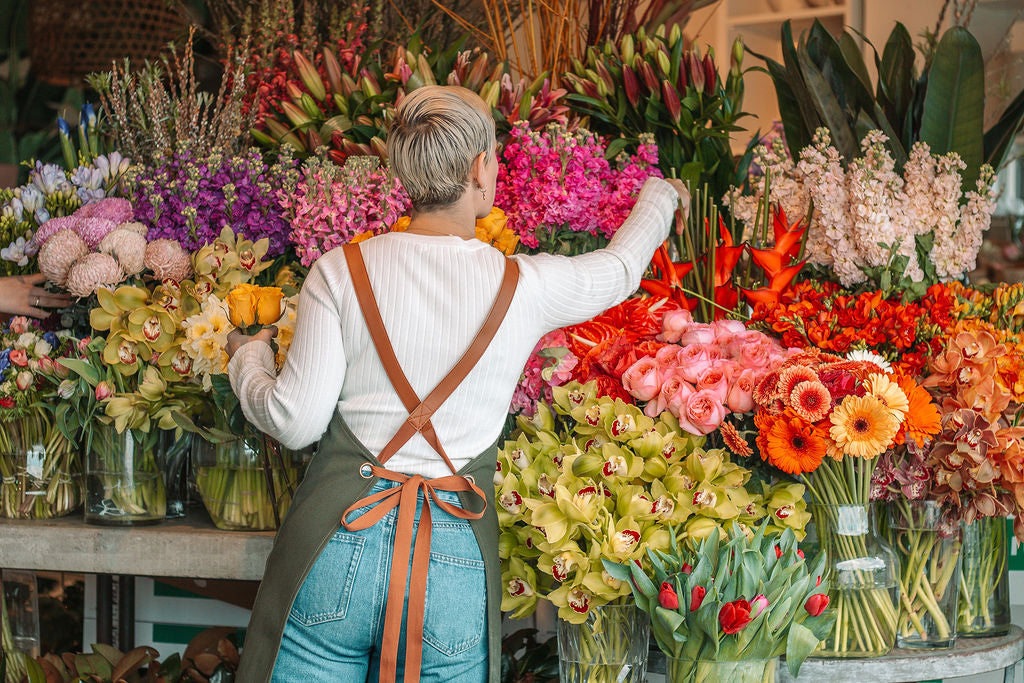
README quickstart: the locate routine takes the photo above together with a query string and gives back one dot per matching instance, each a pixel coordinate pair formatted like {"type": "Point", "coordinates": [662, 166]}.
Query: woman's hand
{"type": "Point", "coordinates": [25, 295]}
{"type": "Point", "coordinates": [684, 194]}
{"type": "Point", "coordinates": [236, 339]}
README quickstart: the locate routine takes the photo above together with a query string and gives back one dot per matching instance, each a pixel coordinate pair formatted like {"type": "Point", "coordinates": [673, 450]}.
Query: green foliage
{"type": "Point", "coordinates": [524, 660]}
{"type": "Point", "coordinates": [823, 81]}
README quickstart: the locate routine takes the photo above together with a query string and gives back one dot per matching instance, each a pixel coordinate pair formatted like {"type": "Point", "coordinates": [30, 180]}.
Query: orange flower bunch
{"type": "Point", "coordinates": [978, 457]}
{"type": "Point", "coordinates": [818, 404]}
{"type": "Point", "coordinates": [491, 229]}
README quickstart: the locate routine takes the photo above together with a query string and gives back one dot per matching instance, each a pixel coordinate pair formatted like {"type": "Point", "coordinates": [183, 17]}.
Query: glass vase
{"type": "Point", "coordinates": [984, 610]}
{"type": "Point", "coordinates": [40, 470]}
{"type": "Point", "coordinates": [863, 575]}
{"type": "Point", "coordinates": [233, 481]}
{"type": "Point", "coordinates": [926, 539]}
{"type": "Point", "coordinates": [173, 456]}
{"type": "Point", "coordinates": [124, 485]}
{"type": "Point", "coordinates": [681, 670]}
{"type": "Point", "coordinates": [611, 646]}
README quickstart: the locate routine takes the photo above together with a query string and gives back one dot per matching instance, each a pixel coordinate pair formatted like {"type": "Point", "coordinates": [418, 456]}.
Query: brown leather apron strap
{"type": "Point", "coordinates": [404, 496]}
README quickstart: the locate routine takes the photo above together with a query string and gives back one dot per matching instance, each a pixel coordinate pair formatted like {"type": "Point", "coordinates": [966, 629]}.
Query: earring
{"type": "Point", "coordinates": [483, 193]}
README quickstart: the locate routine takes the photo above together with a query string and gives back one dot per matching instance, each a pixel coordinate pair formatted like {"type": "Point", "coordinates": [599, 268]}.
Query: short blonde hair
{"type": "Point", "coordinates": [437, 133]}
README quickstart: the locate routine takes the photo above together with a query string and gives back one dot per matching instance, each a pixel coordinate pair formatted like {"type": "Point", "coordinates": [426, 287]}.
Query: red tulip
{"type": "Point", "coordinates": [800, 553]}
{"type": "Point", "coordinates": [734, 616]}
{"type": "Point", "coordinates": [697, 597]}
{"type": "Point", "coordinates": [816, 604]}
{"type": "Point", "coordinates": [667, 597]}
{"type": "Point", "coordinates": [778, 552]}
{"type": "Point", "coordinates": [686, 569]}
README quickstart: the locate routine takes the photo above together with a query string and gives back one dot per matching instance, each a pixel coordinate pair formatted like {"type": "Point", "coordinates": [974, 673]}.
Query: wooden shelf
{"type": "Point", "coordinates": [780, 17]}
{"type": "Point", "coordinates": [190, 547]}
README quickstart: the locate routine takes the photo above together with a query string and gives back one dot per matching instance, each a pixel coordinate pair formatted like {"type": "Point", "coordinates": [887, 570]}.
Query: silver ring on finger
{"type": "Point", "coordinates": [37, 302]}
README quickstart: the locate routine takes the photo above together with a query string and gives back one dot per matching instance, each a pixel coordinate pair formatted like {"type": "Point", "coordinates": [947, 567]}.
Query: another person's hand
{"type": "Point", "coordinates": [25, 295]}
{"type": "Point", "coordinates": [236, 339]}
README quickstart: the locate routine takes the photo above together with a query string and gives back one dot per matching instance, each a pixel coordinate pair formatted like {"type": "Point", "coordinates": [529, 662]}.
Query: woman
{"type": "Point", "coordinates": [415, 304]}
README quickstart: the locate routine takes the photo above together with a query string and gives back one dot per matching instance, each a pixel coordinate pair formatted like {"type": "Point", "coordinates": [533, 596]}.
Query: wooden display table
{"type": "Point", "coordinates": [190, 547]}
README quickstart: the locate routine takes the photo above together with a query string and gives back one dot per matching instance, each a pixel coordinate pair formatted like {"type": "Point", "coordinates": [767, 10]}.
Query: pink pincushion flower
{"type": "Point", "coordinates": [168, 260]}
{"type": "Point", "coordinates": [111, 209]}
{"type": "Point", "coordinates": [59, 253]}
{"type": "Point", "coordinates": [91, 272]}
{"type": "Point", "coordinates": [93, 230]}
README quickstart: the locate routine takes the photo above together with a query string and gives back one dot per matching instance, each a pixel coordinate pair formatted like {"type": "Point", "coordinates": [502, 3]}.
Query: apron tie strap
{"type": "Point", "coordinates": [404, 497]}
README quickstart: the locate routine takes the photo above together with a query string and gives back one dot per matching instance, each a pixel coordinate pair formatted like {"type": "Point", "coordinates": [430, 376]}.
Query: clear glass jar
{"type": "Point", "coordinates": [926, 539]}
{"type": "Point", "coordinates": [124, 485]}
{"type": "Point", "coordinates": [611, 646]}
{"type": "Point", "coordinates": [40, 470]}
{"type": "Point", "coordinates": [984, 610]}
{"type": "Point", "coordinates": [232, 481]}
{"type": "Point", "coordinates": [681, 670]}
{"type": "Point", "coordinates": [863, 579]}
{"type": "Point", "coordinates": [173, 456]}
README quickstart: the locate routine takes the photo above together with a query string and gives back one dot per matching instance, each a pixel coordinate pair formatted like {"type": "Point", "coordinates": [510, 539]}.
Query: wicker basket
{"type": "Point", "coordinates": [71, 38]}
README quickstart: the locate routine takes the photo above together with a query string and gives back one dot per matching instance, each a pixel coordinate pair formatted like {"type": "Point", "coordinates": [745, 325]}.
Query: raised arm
{"type": "Point", "coordinates": [574, 289]}
{"type": "Point", "coordinates": [295, 407]}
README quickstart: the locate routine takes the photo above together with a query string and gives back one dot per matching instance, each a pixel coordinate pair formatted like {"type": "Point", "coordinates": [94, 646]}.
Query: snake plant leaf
{"type": "Point", "coordinates": [821, 93]}
{"type": "Point", "coordinates": [790, 57]}
{"type": "Point", "coordinates": [954, 105]}
{"type": "Point", "coordinates": [799, 644]}
{"type": "Point", "coordinates": [896, 77]}
{"type": "Point", "coordinates": [1000, 136]}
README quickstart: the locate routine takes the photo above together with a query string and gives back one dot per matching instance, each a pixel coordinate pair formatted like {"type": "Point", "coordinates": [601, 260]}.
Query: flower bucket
{"type": "Point", "coordinates": [40, 471]}
{"type": "Point", "coordinates": [124, 486]}
{"type": "Point", "coordinates": [682, 670]}
{"type": "Point", "coordinates": [611, 646]}
{"type": "Point", "coordinates": [984, 610]}
{"type": "Point", "coordinates": [232, 478]}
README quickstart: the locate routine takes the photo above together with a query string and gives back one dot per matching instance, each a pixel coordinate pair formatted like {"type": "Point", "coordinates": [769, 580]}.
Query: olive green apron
{"type": "Point", "coordinates": [342, 474]}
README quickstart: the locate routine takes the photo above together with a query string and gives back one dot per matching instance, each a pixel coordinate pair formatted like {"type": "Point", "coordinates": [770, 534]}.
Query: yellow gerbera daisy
{"type": "Point", "coordinates": [862, 426]}
{"type": "Point", "coordinates": [889, 392]}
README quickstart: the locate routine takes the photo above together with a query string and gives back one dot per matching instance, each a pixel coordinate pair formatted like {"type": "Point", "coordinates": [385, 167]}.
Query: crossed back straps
{"type": "Point", "coordinates": [420, 412]}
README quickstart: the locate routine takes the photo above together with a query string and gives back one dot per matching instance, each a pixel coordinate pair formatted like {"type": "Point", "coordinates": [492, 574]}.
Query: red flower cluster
{"type": "Point", "coordinates": [820, 315]}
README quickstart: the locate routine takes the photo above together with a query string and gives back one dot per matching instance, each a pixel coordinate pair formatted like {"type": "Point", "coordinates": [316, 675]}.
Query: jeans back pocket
{"type": "Point", "coordinates": [456, 601]}
{"type": "Point", "coordinates": [324, 595]}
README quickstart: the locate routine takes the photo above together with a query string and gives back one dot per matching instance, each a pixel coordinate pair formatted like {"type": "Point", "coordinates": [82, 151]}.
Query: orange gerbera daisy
{"type": "Point", "coordinates": [793, 375]}
{"type": "Point", "coordinates": [922, 419]}
{"type": "Point", "coordinates": [733, 441]}
{"type": "Point", "coordinates": [793, 445]}
{"type": "Point", "coordinates": [862, 426]}
{"type": "Point", "coordinates": [811, 400]}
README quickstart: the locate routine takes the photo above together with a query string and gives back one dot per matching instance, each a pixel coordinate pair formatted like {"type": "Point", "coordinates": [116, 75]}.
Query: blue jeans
{"type": "Point", "coordinates": [335, 627]}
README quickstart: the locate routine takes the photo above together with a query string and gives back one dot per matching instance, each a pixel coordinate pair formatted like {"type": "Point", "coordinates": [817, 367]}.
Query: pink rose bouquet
{"type": "Point", "coordinates": [704, 371]}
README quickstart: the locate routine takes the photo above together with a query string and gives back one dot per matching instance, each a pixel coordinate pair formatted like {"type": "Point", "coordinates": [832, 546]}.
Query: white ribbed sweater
{"type": "Point", "coordinates": [433, 293]}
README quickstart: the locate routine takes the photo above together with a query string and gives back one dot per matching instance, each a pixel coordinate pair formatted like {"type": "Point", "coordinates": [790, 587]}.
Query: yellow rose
{"type": "Point", "coordinates": [242, 305]}
{"type": "Point", "coordinates": [268, 305]}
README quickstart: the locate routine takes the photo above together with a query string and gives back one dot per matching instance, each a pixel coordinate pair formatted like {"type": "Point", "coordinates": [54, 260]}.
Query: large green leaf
{"type": "Point", "coordinates": [896, 78]}
{"type": "Point", "coordinates": [1000, 136]}
{"type": "Point", "coordinates": [828, 105]}
{"type": "Point", "coordinates": [954, 104]}
{"type": "Point", "coordinates": [799, 644]}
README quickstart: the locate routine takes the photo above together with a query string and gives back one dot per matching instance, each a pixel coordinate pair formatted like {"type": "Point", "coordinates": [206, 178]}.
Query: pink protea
{"type": "Point", "coordinates": [167, 259]}
{"type": "Point", "coordinates": [91, 272]}
{"type": "Point", "coordinates": [93, 230]}
{"type": "Point", "coordinates": [134, 226]}
{"type": "Point", "coordinates": [128, 247]}
{"type": "Point", "coordinates": [50, 228]}
{"type": "Point", "coordinates": [60, 251]}
{"type": "Point", "coordinates": [111, 208]}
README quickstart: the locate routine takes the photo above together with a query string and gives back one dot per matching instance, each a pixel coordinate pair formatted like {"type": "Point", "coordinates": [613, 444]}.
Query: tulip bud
{"type": "Point", "coordinates": [24, 380]}
{"type": "Point", "coordinates": [628, 49]}
{"type": "Point", "coordinates": [696, 72]}
{"type": "Point", "coordinates": [60, 371]}
{"type": "Point", "coordinates": [46, 365]}
{"type": "Point", "coordinates": [687, 568]}
{"type": "Point", "coordinates": [333, 70]}
{"type": "Point", "coordinates": [310, 78]}
{"type": "Point", "coordinates": [631, 85]}
{"type": "Point", "coordinates": [66, 389]}
{"type": "Point", "coordinates": [697, 597]}
{"type": "Point", "coordinates": [103, 391]}
{"type": "Point", "coordinates": [667, 597]}
{"type": "Point", "coordinates": [33, 365]}
{"type": "Point", "coordinates": [710, 74]}
{"type": "Point", "coordinates": [758, 605]}
{"type": "Point", "coordinates": [816, 604]}
{"type": "Point", "coordinates": [671, 100]}
{"type": "Point", "coordinates": [736, 59]}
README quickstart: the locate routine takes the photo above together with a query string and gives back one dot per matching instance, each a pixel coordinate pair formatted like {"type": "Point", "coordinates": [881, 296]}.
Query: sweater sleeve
{"type": "Point", "coordinates": [575, 289]}
{"type": "Point", "coordinates": [296, 407]}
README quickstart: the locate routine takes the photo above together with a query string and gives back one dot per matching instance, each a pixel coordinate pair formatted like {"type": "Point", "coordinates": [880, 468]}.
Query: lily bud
{"type": "Point", "coordinates": [333, 70]}
{"type": "Point", "coordinates": [298, 117]}
{"type": "Point", "coordinates": [649, 77]}
{"type": "Point", "coordinates": [476, 75]}
{"type": "Point", "coordinates": [309, 106]}
{"type": "Point", "coordinates": [310, 78]}
{"type": "Point", "coordinates": [664, 63]}
{"type": "Point", "coordinates": [736, 59]}
{"type": "Point", "coordinates": [609, 83]}
{"type": "Point", "coordinates": [294, 92]}
{"type": "Point", "coordinates": [696, 72]}
{"type": "Point", "coordinates": [628, 49]}
{"type": "Point", "coordinates": [710, 74]}
{"type": "Point", "coordinates": [671, 100]}
{"type": "Point", "coordinates": [348, 86]}
{"type": "Point", "coordinates": [675, 35]}
{"type": "Point", "coordinates": [631, 85]}
{"type": "Point", "coordinates": [103, 391]}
